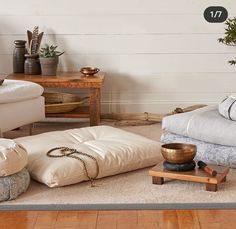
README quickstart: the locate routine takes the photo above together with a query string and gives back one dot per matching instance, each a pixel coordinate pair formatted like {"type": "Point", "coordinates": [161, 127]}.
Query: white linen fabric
{"type": "Point", "coordinates": [205, 124]}
{"type": "Point", "coordinates": [13, 157]}
{"type": "Point", "coordinates": [227, 107]}
{"type": "Point", "coordinates": [17, 114]}
{"type": "Point", "coordinates": [19, 90]}
{"type": "Point", "coordinates": [116, 151]}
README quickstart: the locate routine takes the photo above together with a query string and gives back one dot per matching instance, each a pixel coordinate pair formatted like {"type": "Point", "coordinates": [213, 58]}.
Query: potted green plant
{"type": "Point", "coordinates": [230, 35]}
{"type": "Point", "coordinates": [49, 57]}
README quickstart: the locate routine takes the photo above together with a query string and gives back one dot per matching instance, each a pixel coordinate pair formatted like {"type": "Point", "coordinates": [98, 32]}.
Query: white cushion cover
{"type": "Point", "coordinates": [19, 90]}
{"type": "Point", "coordinates": [13, 157]}
{"type": "Point", "coordinates": [204, 124]}
{"type": "Point", "coordinates": [116, 151]}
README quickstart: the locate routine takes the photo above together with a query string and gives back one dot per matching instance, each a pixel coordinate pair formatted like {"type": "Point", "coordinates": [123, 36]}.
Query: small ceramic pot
{"type": "Point", "coordinates": [32, 65]}
{"type": "Point", "coordinates": [49, 65]}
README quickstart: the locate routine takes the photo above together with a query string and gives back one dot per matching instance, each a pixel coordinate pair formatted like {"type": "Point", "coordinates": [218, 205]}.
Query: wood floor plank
{"type": "Point", "coordinates": [67, 219]}
{"type": "Point", "coordinates": [87, 219]}
{"type": "Point", "coordinates": [138, 226]}
{"type": "Point", "coordinates": [208, 216]}
{"type": "Point", "coordinates": [217, 219]}
{"type": "Point", "coordinates": [147, 216]}
{"type": "Point", "coordinates": [188, 219]}
{"type": "Point", "coordinates": [17, 223]}
{"type": "Point", "coordinates": [46, 219]}
{"type": "Point", "coordinates": [127, 216]}
{"type": "Point", "coordinates": [18, 214]}
{"type": "Point", "coordinates": [106, 220]}
{"type": "Point", "coordinates": [168, 219]}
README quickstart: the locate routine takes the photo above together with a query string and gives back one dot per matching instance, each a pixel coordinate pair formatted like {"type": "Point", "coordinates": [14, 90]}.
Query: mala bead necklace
{"type": "Point", "coordinates": [73, 153]}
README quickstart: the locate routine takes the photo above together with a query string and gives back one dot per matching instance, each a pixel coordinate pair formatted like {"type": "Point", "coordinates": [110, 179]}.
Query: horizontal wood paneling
{"type": "Point", "coordinates": [129, 44]}
{"type": "Point", "coordinates": [128, 67]}
{"type": "Point", "coordinates": [75, 7]}
{"type": "Point", "coordinates": [162, 97]}
{"type": "Point", "coordinates": [110, 24]}
{"type": "Point", "coordinates": [173, 83]}
{"type": "Point", "coordinates": [157, 54]}
{"type": "Point", "coordinates": [158, 107]}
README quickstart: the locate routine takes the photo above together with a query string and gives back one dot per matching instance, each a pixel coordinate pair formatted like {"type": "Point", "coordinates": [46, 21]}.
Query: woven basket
{"type": "Point", "coordinates": [62, 102]}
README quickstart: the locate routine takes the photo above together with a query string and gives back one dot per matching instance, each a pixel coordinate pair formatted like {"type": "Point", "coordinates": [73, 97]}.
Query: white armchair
{"type": "Point", "coordinates": [21, 103]}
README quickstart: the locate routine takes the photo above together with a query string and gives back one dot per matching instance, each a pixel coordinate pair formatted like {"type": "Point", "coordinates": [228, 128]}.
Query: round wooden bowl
{"type": "Point", "coordinates": [89, 71]}
{"type": "Point", "coordinates": [178, 153]}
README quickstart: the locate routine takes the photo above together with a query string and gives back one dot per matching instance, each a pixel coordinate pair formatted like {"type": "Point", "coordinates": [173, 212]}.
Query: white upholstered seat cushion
{"type": "Point", "coordinates": [21, 113]}
{"type": "Point", "coordinates": [13, 157]}
{"type": "Point", "coordinates": [116, 151]}
{"type": "Point", "coordinates": [19, 90]}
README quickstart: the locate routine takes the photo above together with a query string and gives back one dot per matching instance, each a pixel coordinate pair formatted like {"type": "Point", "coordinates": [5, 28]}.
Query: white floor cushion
{"type": "Point", "coordinates": [13, 157]}
{"type": "Point", "coordinates": [116, 151]}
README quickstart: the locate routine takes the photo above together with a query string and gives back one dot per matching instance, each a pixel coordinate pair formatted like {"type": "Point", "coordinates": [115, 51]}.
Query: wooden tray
{"type": "Point", "coordinates": [158, 174]}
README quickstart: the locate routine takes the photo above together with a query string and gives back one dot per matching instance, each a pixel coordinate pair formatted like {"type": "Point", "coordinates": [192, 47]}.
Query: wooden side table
{"type": "Point", "coordinates": [72, 80]}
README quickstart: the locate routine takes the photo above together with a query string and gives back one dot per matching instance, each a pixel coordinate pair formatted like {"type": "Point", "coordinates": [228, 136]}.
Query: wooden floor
{"type": "Point", "coordinates": [168, 219]}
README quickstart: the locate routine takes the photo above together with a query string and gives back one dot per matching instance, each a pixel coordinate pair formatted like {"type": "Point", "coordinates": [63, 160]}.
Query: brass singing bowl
{"type": "Point", "coordinates": [89, 71]}
{"type": "Point", "coordinates": [178, 152]}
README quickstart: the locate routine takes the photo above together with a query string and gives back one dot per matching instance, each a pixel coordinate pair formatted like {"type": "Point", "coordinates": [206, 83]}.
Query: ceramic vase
{"type": "Point", "coordinates": [32, 65]}
{"type": "Point", "coordinates": [19, 56]}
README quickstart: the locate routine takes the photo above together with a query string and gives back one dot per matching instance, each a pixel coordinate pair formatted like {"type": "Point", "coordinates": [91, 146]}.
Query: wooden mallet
{"type": "Point", "coordinates": [206, 168]}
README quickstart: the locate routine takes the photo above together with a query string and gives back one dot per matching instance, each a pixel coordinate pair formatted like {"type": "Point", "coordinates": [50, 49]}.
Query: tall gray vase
{"type": "Point", "coordinates": [19, 56]}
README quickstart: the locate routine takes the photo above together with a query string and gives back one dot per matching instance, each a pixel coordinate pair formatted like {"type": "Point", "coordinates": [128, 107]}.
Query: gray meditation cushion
{"type": "Point", "coordinates": [14, 185]}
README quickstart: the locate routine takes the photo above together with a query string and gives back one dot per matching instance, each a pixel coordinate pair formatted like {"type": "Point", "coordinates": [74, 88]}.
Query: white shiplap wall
{"type": "Point", "coordinates": [157, 54]}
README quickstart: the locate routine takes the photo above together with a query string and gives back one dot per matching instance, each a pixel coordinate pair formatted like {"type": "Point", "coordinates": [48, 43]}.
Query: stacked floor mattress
{"type": "Point", "coordinates": [214, 135]}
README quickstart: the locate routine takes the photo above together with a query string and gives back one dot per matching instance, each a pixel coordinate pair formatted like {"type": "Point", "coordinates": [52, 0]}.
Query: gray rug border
{"type": "Point", "coordinates": [78, 207]}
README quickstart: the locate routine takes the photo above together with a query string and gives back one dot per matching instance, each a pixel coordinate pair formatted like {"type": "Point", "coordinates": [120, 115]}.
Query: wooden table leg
{"type": "Point", "coordinates": [95, 106]}
{"type": "Point", "coordinates": [211, 187]}
{"type": "Point", "coordinates": [157, 180]}
{"type": "Point", "coordinates": [223, 180]}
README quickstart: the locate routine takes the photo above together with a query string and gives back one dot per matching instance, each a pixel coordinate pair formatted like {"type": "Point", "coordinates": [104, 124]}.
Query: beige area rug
{"type": "Point", "coordinates": [133, 190]}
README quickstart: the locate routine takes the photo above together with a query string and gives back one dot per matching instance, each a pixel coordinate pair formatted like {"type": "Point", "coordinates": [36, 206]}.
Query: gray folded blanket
{"type": "Point", "coordinates": [205, 124]}
{"type": "Point", "coordinates": [207, 152]}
